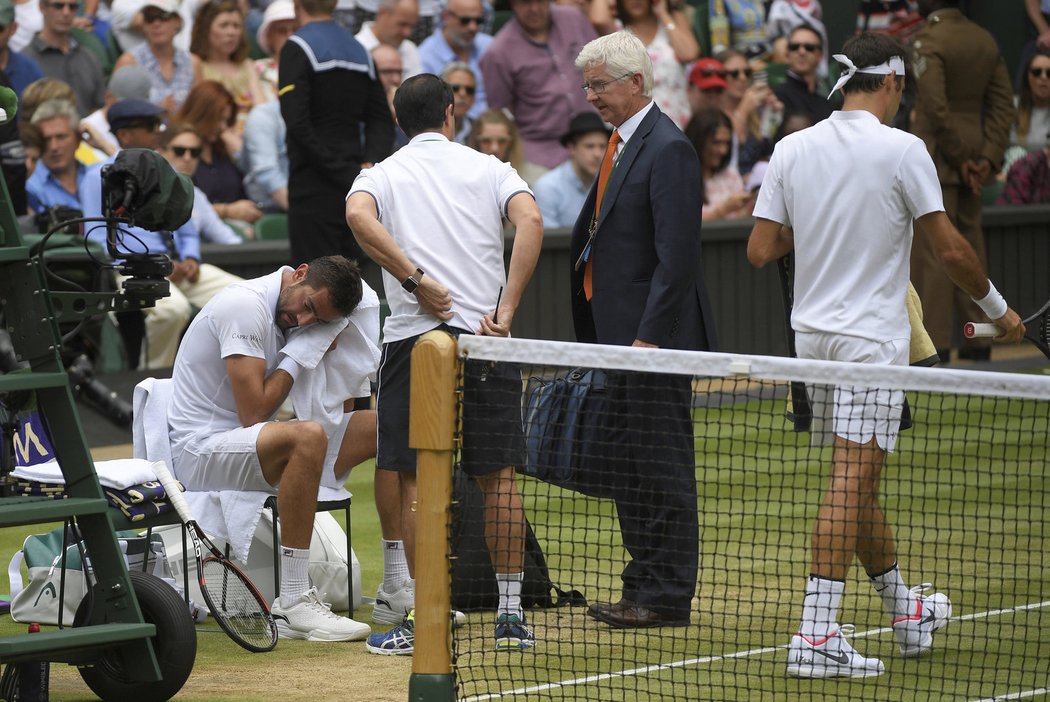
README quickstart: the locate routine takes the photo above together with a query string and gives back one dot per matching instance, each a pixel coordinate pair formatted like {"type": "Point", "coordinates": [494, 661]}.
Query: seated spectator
{"type": "Point", "coordinates": [265, 158]}
{"type": "Point", "coordinates": [278, 24]}
{"type": "Point", "coordinates": [711, 132]}
{"type": "Point", "coordinates": [181, 145]}
{"type": "Point", "coordinates": [1028, 180]}
{"type": "Point", "coordinates": [496, 134]}
{"type": "Point", "coordinates": [20, 69]}
{"type": "Point", "coordinates": [707, 84]}
{"type": "Point", "coordinates": [667, 37]}
{"type": "Point", "coordinates": [530, 69]}
{"type": "Point", "coordinates": [60, 56]}
{"type": "Point", "coordinates": [784, 16]}
{"type": "Point", "coordinates": [210, 109]}
{"type": "Point", "coordinates": [127, 83]}
{"type": "Point", "coordinates": [170, 68]}
{"type": "Point", "coordinates": [560, 193]}
{"type": "Point", "coordinates": [394, 23]}
{"type": "Point", "coordinates": [459, 40]}
{"type": "Point", "coordinates": [58, 177]}
{"type": "Point", "coordinates": [220, 53]}
{"type": "Point", "coordinates": [464, 88]}
{"type": "Point", "coordinates": [1033, 104]}
{"type": "Point", "coordinates": [802, 89]}
{"type": "Point", "coordinates": [753, 108]}
{"type": "Point", "coordinates": [136, 124]}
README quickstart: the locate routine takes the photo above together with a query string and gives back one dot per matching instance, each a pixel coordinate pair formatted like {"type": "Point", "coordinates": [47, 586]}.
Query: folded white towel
{"type": "Point", "coordinates": [120, 474]}
{"type": "Point", "coordinates": [308, 345]}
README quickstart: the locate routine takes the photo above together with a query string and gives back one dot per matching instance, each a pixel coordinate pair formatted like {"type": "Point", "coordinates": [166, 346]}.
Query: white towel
{"type": "Point", "coordinates": [308, 345]}
{"type": "Point", "coordinates": [119, 474]}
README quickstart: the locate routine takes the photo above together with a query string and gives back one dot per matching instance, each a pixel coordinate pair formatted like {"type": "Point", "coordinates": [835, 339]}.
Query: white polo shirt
{"type": "Point", "coordinates": [238, 320]}
{"type": "Point", "coordinates": [850, 187]}
{"type": "Point", "coordinates": [444, 204]}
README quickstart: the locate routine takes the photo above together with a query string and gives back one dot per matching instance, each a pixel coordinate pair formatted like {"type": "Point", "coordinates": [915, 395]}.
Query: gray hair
{"type": "Point", "coordinates": [50, 109]}
{"type": "Point", "coordinates": [620, 52]}
{"type": "Point", "coordinates": [453, 66]}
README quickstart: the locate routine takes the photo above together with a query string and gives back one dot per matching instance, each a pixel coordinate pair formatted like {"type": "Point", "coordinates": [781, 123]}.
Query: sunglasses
{"type": "Point", "coordinates": [1039, 72]}
{"type": "Point", "coordinates": [738, 72]}
{"type": "Point", "coordinates": [71, 6]}
{"type": "Point", "coordinates": [181, 151]}
{"type": "Point", "coordinates": [157, 16]}
{"type": "Point", "coordinates": [811, 48]}
{"type": "Point", "coordinates": [720, 72]}
{"type": "Point", "coordinates": [466, 20]}
{"type": "Point", "coordinates": [468, 89]}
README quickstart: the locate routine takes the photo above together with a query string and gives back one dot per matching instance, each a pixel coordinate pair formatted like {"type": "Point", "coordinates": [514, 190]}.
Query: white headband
{"type": "Point", "coordinates": [894, 65]}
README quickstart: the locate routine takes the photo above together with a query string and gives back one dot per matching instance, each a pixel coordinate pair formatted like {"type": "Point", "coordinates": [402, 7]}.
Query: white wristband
{"type": "Point", "coordinates": [289, 366]}
{"type": "Point", "coordinates": [993, 304]}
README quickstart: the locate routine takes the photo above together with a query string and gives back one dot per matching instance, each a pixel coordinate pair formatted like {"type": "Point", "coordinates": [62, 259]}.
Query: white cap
{"type": "Point", "coordinates": [275, 12]}
{"type": "Point", "coordinates": [171, 6]}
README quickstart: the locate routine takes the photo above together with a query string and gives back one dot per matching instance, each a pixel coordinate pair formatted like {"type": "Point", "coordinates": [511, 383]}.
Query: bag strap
{"type": "Point", "coordinates": [14, 574]}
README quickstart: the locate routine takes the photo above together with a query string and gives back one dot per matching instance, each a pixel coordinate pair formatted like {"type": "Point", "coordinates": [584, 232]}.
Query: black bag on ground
{"type": "Point", "coordinates": [473, 579]}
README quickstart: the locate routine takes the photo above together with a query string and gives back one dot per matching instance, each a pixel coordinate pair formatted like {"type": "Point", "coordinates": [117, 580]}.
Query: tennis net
{"type": "Point", "coordinates": [965, 491]}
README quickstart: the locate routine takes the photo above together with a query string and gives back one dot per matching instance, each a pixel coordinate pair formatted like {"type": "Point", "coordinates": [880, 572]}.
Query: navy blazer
{"type": "Point", "coordinates": [647, 277]}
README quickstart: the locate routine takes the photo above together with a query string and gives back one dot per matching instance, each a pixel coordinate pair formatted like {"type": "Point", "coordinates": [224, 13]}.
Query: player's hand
{"type": "Point", "coordinates": [1011, 326]}
{"type": "Point", "coordinates": [500, 328]}
{"type": "Point", "coordinates": [434, 298]}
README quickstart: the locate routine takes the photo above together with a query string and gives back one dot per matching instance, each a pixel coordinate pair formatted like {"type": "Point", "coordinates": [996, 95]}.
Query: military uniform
{"type": "Point", "coordinates": [963, 112]}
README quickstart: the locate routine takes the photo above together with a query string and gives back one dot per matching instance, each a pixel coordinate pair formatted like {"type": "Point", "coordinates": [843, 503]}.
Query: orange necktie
{"type": "Point", "coordinates": [603, 180]}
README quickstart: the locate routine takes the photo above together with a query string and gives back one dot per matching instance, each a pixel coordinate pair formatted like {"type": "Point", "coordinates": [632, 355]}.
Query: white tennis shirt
{"type": "Point", "coordinates": [850, 187]}
{"type": "Point", "coordinates": [443, 203]}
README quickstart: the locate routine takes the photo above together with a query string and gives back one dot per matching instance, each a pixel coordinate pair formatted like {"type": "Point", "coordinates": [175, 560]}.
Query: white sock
{"type": "Point", "coordinates": [295, 574]}
{"type": "Point", "coordinates": [395, 567]}
{"type": "Point", "coordinates": [894, 593]}
{"type": "Point", "coordinates": [820, 608]}
{"type": "Point", "coordinates": [509, 586]}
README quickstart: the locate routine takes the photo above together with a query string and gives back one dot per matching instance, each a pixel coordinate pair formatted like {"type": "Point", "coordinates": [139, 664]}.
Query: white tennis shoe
{"type": "Point", "coordinates": [312, 619]}
{"type": "Point", "coordinates": [392, 607]}
{"type": "Point", "coordinates": [915, 632]}
{"type": "Point", "coordinates": [829, 656]}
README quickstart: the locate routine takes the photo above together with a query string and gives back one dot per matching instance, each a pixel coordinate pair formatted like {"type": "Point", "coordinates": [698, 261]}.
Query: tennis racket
{"type": "Point", "coordinates": [801, 414]}
{"type": "Point", "coordinates": [1037, 329]}
{"type": "Point", "coordinates": [232, 598]}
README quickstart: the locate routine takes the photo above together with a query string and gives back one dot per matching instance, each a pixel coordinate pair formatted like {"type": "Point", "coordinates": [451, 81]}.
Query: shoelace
{"type": "Point", "coordinates": [917, 590]}
{"type": "Point", "coordinates": [315, 601]}
{"type": "Point", "coordinates": [847, 630]}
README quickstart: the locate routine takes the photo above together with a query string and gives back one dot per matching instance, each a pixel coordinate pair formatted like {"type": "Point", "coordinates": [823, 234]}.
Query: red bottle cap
{"type": "Point", "coordinates": [34, 628]}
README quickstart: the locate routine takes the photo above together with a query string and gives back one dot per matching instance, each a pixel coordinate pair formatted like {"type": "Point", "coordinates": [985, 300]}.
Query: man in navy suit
{"type": "Point", "coordinates": [636, 282]}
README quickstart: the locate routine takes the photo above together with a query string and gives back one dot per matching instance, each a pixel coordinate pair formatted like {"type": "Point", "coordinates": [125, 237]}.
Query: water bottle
{"type": "Point", "coordinates": [33, 677]}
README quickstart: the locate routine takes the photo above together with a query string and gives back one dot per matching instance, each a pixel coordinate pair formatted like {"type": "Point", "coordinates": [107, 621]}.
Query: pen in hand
{"type": "Point", "coordinates": [495, 315]}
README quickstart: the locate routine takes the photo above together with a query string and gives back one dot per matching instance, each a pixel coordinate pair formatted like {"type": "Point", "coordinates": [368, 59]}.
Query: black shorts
{"type": "Point", "coordinates": [492, 429]}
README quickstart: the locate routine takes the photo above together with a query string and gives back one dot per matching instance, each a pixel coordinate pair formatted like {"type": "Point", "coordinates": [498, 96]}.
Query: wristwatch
{"type": "Point", "coordinates": [412, 282]}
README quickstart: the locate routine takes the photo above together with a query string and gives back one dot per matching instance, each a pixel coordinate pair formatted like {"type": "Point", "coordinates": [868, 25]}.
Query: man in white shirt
{"type": "Point", "coordinates": [232, 373]}
{"type": "Point", "coordinates": [437, 206]}
{"type": "Point", "coordinates": [852, 246]}
{"type": "Point", "coordinates": [394, 23]}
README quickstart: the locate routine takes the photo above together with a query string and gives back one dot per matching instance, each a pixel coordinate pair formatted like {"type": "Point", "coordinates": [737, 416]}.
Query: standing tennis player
{"type": "Point", "coordinates": [432, 216]}
{"type": "Point", "coordinates": [852, 235]}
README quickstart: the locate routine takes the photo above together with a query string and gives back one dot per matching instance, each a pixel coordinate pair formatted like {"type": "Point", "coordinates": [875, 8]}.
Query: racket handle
{"type": "Point", "coordinates": [974, 330]}
{"type": "Point", "coordinates": [173, 490]}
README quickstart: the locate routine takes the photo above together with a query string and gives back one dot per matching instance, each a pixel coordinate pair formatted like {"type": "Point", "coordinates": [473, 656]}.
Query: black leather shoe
{"type": "Point", "coordinates": [628, 615]}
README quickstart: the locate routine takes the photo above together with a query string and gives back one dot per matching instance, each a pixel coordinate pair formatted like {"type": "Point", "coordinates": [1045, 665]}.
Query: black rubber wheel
{"type": "Point", "coordinates": [175, 646]}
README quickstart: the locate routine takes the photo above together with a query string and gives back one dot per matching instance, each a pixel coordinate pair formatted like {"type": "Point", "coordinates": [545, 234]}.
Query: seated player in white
{"type": "Point", "coordinates": [232, 372]}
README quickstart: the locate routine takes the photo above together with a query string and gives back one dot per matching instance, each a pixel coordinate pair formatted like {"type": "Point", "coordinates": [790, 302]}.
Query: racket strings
{"type": "Point", "coordinates": [234, 602]}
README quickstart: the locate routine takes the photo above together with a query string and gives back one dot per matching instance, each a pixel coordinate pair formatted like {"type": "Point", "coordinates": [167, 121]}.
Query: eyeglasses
{"type": "Point", "coordinates": [738, 72]}
{"type": "Point", "coordinates": [811, 48]}
{"type": "Point", "coordinates": [181, 151]}
{"type": "Point", "coordinates": [157, 16]}
{"type": "Point", "coordinates": [468, 89]}
{"type": "Point", "coordinates": [391, 72]}
{"type": "Point", "coordinates": [1039, 72]}
{"type": "Point", "coordinates": [71, 6]}
{"type": "Point", "coordinates": [466, 20]}
{"type": "Point", "coordinates": [599, 86]}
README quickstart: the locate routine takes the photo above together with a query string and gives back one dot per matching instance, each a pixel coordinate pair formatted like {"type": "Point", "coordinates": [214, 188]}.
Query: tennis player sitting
{"type": "Point", "coordinates": [232, 372]}
{"type": "Point", "coordinates": [852, 242]}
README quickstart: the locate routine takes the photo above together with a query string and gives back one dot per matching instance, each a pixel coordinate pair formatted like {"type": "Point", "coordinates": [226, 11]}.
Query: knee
{"type": "Point", "coordinates": [311, 440]}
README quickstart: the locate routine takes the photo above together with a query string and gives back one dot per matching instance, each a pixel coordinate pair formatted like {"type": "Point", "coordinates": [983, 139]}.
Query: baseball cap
{"type": "Point", "coordinates": [129, 83]}
{"type": "Point", "coordinates": [7, 12]}
{"type": "Point", "coordinates": [169, 6]}
{"type": "Point", "coordinates": [125, 112]}
{"type": "Point", "coordinates": [584, 123]}
{"type": "Point", "coordinates": [275, 12]}
{"type": "Point", "coordinates": [707, 73]}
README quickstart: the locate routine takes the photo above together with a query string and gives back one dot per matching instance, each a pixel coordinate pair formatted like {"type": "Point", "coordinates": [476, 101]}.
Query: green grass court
{"type": "Point", "coordinates": [966, 492]}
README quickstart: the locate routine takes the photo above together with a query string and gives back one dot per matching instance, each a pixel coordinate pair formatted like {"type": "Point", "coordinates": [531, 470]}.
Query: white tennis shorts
{"type": "Point", "coordinates": [854, 413]}
{"type": "Point", "coordinates": [224, 461]}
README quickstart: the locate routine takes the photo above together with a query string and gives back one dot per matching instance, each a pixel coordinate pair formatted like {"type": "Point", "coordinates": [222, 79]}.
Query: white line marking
{"type": "Point", "coordinates": [757, 652]}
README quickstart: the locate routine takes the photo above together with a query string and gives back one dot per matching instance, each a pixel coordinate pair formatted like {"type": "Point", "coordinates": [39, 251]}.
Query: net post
{"type": "Point", "coordinates": [432, 425]}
